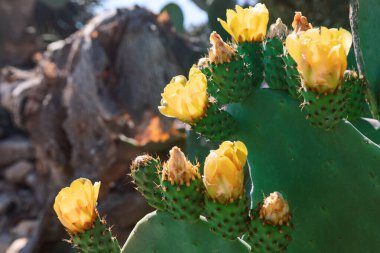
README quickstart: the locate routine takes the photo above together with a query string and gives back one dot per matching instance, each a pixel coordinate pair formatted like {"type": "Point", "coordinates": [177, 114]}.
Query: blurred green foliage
{"type": "Point", "coordinates": [216, 9]}
{"type": "Point", "coordinates": [176, 16]}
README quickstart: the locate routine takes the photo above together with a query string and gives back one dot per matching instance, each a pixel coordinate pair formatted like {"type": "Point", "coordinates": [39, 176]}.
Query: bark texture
{"type": "Point", "coordinates": [90, 106]}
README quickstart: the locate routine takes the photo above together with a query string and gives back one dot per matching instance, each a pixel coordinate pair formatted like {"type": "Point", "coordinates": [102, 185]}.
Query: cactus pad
{"type": "Point", "coordinates": [145, 172]}
{"type": "Point", "coordinates": [97, 239]}
{"type": "Point", "coordinates": [264, 237]}
{"type": "Point", "coordinates": [232, 79]}
{"type": "Point", "coordinates": [159, 232]}
{"type": "Point", "coordinates": [274, 64]}
{"type": "Point", "coordinates": [252, 53]}
{"type": "Point", "coordinates": [292, 79]}
{"type": "Point", "coordinates": [325, 110]}
{"type": "Point", "coordinates": [185, 202]}
{"type": "Point", "coordinates": [229, 220]}
{"type": "Point", "coordinates": [356, 97]}
{"type": "Point", "coordinates": [325, 174]}
{"type": "Point", "coordinates": [216, 125]}
{"type": "Point", "coordinates": [213, 89]}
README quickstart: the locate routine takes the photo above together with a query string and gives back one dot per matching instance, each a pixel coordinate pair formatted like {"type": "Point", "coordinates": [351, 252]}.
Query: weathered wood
{"type": "Point", "coordinates": [17, 36]}
{"type": "Point", "coordinates": [90, 105]}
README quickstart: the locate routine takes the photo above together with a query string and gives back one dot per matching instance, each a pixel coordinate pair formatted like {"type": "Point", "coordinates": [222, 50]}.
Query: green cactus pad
{"type": "Point", "coordinates": [356, 97]}
{"type": "Point", "coordinates": [159, 232]}
{"type": "Point", "coordinates": [217, 125]}
{"type": "Point", "coordinates": [145, 171]}
{"type": "Point", "coordinates": [97, 239]}
{"type": "Point", "coordinates": [228, 220]}
{"type": "Point", "coordinates": [232, 79]}
{"type": "Point", "coordinates": [292, 77]}
{"type": "Point", "coordinates": [264, 237]}
{"type": "Point", "coordinates": [252, 54]}
{"type": "Point", "coordinates": [213, 89]}
{"type": "Point", "coordinates": [368, 28]}
{"type": "Point", "coordinates": [185, 202]}
{"type": "Point", "coordinates": [325, 110]}
{"type": "Point", "coordinates": [331, 178]}
{"type": "Point", "coordinates": [274, 65]}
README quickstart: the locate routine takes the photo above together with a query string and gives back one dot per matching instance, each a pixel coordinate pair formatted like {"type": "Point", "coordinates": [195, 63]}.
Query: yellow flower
{"type": "Point", "coordinates": [248, 24]}
{"type": "Point", "coordinates": [75, 205]}
{"type": "Point", "coordinates": [321, 56]}
{"type": "Point", "coordinates": [223, 171]}
{"type": "Point", "coordinates": [185, 99]}
{"type": "Point", "coordinates": [178, 170]}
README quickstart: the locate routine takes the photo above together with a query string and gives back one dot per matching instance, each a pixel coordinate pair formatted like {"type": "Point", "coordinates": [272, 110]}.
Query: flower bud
{"type": "Point", "coordinates": [76, 205]}
{"type": "Point", "coordinates": [203, 62]}
{"type": "Point", "coordinates": [223, 171]}
{"type": "Point", "coordinates": [178, 170]}
{"type": "Point", "coordinates": [248, 24]}
{"type": "Point", "coordinates": [185, 99]}
{"type": "Point", "coordinates": [220, 52]}
{"type": "Point", "coordinates": [275, 210]}
{"type": "Point", "coordinates": [300, 23]}
{"type": "Point", "coordinates": [321, 57]}
{"type": "Point", "coordinates": [278, 30]}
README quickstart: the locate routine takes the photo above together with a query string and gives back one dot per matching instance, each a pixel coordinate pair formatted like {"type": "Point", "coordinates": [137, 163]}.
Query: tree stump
{"type": "Point", "coordinates": [90, 105]}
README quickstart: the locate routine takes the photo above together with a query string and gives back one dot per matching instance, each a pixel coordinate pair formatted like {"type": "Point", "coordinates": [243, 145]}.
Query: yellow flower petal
{"type": "Point", "coordinates": [247, 24]}
{"type": "Point", "coordinates": [185, 99]}
{"type": "Point", "coordinates": [223, 171]}
{"type": "Point", "coordinates": [345, 39]}
{"type": "Point", "coordinates": [293, 46]}
{"type": "Point", "coordinates": [321, 56]}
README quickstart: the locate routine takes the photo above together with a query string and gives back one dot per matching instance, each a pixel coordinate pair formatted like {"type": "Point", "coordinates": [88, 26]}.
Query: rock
{"type": "Point", "coordinates": [24, 228]}
{"type": "Point", "coordinates": [16, 173]}
{"type": "Point", "coordinates": [31, 180]}
{"type": "Point", "coordinates": [17, 245]}
{"type": "Point", "coordinates": [5, 202]}
{"type": "Point", "coordinates": [14, 149]}
{"type": "Point", "coordinates": [6, 125]}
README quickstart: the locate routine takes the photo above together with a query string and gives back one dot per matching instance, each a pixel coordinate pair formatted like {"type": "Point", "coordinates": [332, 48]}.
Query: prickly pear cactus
{"type": "Point", "coordinates": [160, 232]}
{"type": "Point", "coordinates": [314, 166]}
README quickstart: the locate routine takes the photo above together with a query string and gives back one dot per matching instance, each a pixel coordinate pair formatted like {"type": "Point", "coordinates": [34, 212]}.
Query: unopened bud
{"type": "Point", "coordinates": [300, 23]}
{"type": "Point", "coordinates": [278, 30]}
{"type": "Point", "coordinates": [275, 210]}
{"type": "Point", "coordinates": [220, 52]}
{"type": "Point", "coordinates": [178, 170]}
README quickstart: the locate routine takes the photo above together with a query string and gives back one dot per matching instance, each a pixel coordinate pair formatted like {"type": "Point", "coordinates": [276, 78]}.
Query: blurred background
{"type": "Point", "coordinates": [80, 81]}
